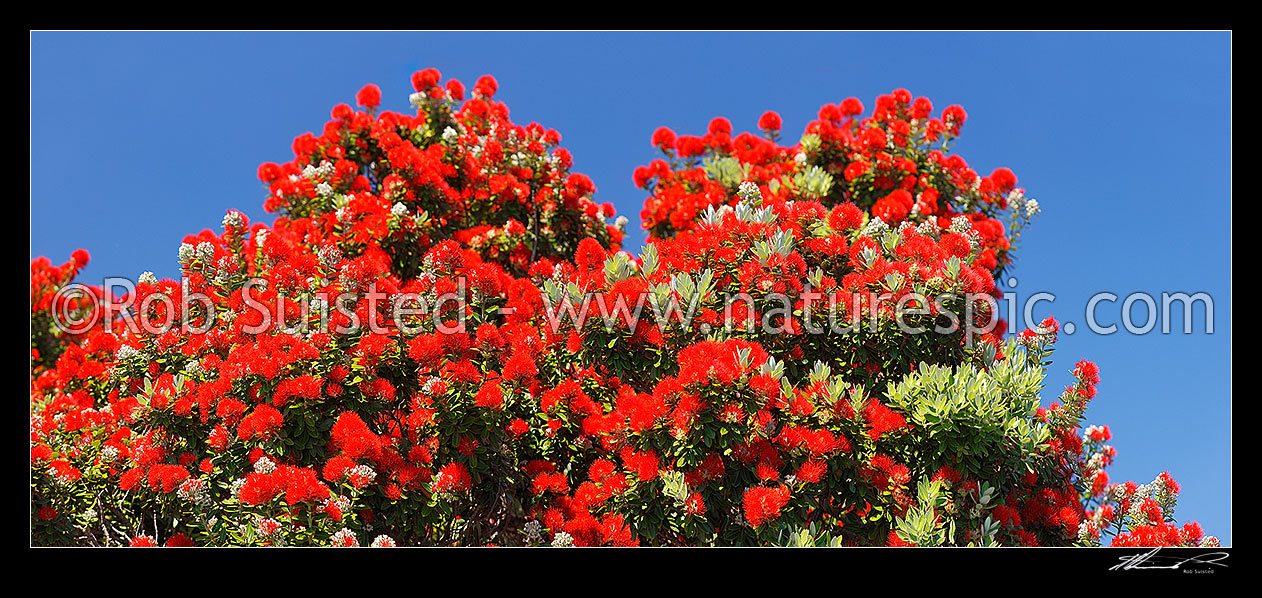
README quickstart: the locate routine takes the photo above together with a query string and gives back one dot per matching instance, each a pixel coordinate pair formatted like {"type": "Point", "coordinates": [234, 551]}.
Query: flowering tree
{"type": "Point", "coordinates": [439, 342]}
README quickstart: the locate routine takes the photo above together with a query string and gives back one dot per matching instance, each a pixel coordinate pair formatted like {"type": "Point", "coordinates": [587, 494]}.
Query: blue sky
{"type": "Point", "coordinates": [1125, 139]}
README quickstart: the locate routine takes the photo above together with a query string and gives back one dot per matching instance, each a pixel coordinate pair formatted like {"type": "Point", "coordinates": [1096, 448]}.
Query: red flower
{"type": "Point", "coordinates": [695, 505]}
{"type": "Point", "coordinates": [763, 504]}
{"type": "Point", "coordinates": [720, 126]}
{"type": "Point", "coordinates": [486, 86]}
{"type": "Point", "coordinates": [1088, 372]}
{"type": "Point", "coordinates": [517, 427]}
{"type": "Point", "coordinates": [455, 89]}
{"type": "Point", "coordinates": [642, 464]}
{"type": "Point", "coordinates": [812, 471]}
{"type": "Point", "coordinates": [954, 116]}
{"type": "Point", "coordinates": [770, 121]}
{"type": "Point", "coordinates": [369, 96]}
{"type": "Point", "coordinates": [260, 423]}
{"type": "Point", "coordinates": [664, 138]}
{"type": "Point", "coordinates": [353, 437]}
{"type": "Point", "coordinates": [425, 79]}
{"type": "Point", "coordinates": [1003, 179]}
{"type": "Point", "coordinates": [490, 396]}
{"type": "Point", "coordinates": [881, 419]}
{"type": "Point", "coordinates": [454, 478]}
{"type": "Point", "coordinates": [179, 540]}
{"type": "Point", "coordinates": [690, 146]}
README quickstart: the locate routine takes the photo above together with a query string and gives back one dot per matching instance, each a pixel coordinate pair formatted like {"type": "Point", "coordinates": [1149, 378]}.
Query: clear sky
{"type": "Point", "coordinates": [1124, 138]}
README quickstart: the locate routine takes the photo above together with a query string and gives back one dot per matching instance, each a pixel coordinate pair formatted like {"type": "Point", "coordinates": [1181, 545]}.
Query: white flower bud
{"type": "Point", "coordinates": [1031, 207]}
{"type": "Point", "coordinates": [264, 465]}
{"type": "Point", "coordinates": [233, 220]}
{"type": "Point", "coordinates": [562, 539]}
{"type": "Point", "coordinates": [205, 251]}
{"type": "Point", "coordinates": [748, 191]}
{"type": "Point", "coordinates": [960, 224]}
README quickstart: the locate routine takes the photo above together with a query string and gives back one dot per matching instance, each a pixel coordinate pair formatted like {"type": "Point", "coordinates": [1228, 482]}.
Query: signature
{"type": "Point", "coordinates": [1151, 560]}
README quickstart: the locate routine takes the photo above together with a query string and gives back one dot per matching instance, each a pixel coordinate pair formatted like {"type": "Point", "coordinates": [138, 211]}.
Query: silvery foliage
{"type": "Point", "coordinates": [977, 412]}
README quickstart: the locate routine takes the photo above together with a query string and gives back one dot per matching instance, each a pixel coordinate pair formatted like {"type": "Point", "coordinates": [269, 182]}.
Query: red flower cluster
{"type": "Point", "coordinates": [48, 341]}
{"type": "Point", "coordinates": [893, 164]}
{"type": "Point", "coordinates": [396, 184]}
{"type": "Point", "coordinates": [764, 504]}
